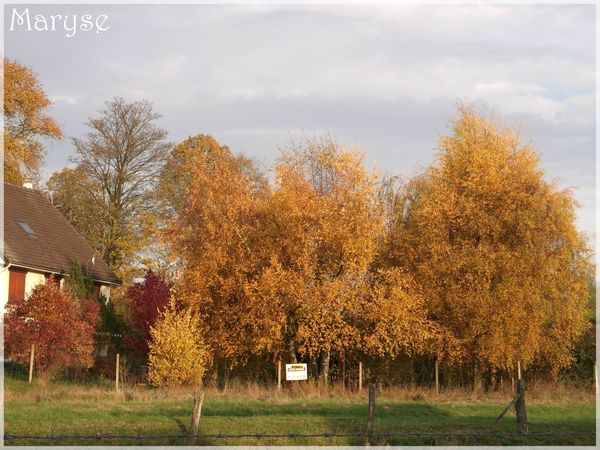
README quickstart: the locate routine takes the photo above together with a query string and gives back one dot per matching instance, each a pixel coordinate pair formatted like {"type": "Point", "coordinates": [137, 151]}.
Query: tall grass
{"type": "Point", "coordinates": [541, 392]}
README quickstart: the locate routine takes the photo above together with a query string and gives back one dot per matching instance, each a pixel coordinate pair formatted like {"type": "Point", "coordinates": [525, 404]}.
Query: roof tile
{"type": "Point", "coordinates": [55, 246]}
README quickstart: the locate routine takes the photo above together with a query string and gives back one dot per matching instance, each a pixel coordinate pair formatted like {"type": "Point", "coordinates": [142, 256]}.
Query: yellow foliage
{"type": "Point", "coordinates": [495, 249]}
{"type": "Point", "coordinates": [212, 204]}
{"type": "Point", "coordinates": [25, 122]}
{"type": "Point", "coordinates": [177, 355]}
{"type": "Point", "coordinates": [477, 261]}
{"type": "Point", "coordinates": [286, 270]}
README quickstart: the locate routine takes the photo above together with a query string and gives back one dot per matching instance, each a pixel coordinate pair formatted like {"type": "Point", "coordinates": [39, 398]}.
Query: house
{"type": "Point", "coordinates": [39, 243]}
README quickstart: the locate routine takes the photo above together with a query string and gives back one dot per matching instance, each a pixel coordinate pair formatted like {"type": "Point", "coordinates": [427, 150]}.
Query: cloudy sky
{"type": "Point", "coordinates": [385, 78]}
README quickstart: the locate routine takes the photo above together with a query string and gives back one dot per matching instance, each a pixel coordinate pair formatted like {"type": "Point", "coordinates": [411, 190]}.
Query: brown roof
{"type": "Point", "coordinates": [55, 245]}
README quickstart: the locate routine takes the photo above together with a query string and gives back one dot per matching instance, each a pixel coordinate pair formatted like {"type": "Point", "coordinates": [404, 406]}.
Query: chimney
{"type": "Point", "coordinates": [28, 185]}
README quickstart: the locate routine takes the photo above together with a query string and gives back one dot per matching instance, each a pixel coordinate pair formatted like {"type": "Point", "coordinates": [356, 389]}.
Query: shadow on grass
{"type": "Point", "coordinates": [304, 416]}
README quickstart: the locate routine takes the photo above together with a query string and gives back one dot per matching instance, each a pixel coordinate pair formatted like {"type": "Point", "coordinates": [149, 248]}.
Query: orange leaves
{"type": "Point", "coordinates": [330, 205]}
{"type": "Point", "coordinates": [288, 269]}
{"type": "Point", "coordinates": [211, 203]}
{"type": "Point", "coordinates": [26, 120]}
{"type": "Point", "coordinates": [325, 212]}
{"type": "Point", "coordinates": [477, 261]}
{"type": "Point", "coordinates": [495, 248]}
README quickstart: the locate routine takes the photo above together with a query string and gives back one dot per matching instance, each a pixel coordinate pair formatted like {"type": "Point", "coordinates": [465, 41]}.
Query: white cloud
{"type": "Point", "coordinates": [70, 99]}
{"type": "Point", "coordinates": [383, 76]}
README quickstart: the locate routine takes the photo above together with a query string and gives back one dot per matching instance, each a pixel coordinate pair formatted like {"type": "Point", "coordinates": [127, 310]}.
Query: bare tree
{"type": "Point", "coordinates": [123, 154]}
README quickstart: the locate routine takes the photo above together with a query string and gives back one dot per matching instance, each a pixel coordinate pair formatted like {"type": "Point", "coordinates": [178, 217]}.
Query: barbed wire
{"type": "Point", "coordinates": [429, 434]}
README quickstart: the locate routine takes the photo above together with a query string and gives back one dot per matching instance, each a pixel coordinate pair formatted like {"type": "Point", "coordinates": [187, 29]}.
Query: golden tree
{"type": "Point", "coordinates": [495, 248]}
{"type": "Point", "coordinates": [177, 174]}
{"type": "Point", "coordinates": [26, 121]}
{"type": "Point", "coordinates": [177, 354]}
{"type": "Point", "coordinates": [211, 203]}
{"type": "Point", "coordinates": [285, 272]}
{"type": "Point", "coordinates": [317, 295]}
{"type": "Point", "coordinates": [324, 213]}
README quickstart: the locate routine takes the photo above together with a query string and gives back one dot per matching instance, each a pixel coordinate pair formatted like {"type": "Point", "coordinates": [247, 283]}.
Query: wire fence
{"type": "Point", "coordinates": [358, 435]}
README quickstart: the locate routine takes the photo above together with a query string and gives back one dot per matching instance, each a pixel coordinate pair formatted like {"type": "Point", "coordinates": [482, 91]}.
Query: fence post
{"type": "Point", "coordinates": [117, 373]}
{"type": "Point", "coordinates": [518, 370]}
{"type": "Point", "coordinates": [437, 377]}
{"type": "Point", "coordinates": [196, 412]}
{"type": "Point", "coordinates": [359, 376]}
{"type": "Point", "coordinates": [520, 408]}
{"type": "Point", "coordinates": [343, 369]}
{"type": "Point", "coordinates": [31, 362]}
{"type": "Point", "coordinates": [371, 417]}
{"type": "Point", "coordinates": [279, 375]}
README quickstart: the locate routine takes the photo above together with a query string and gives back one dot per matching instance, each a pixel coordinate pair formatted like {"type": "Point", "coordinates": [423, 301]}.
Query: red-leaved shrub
{"type": "Point", "coordinates": [61, 328]}
{"type": "Point", "coordinates": [148, 299]}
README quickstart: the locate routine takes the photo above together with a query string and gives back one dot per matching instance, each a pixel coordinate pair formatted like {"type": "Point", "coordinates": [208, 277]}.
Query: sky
{"type": "Point", "coordinates": [385, 78]}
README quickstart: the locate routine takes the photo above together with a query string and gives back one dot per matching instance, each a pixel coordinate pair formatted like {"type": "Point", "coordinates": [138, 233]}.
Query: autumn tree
{"type": "Point", "coordinates": [147, 300]}
{"type": "Point", "coordinates": [117, 166]}
{"type": "Point", "coordinates": [323, 223]}
{"type": "Point", "coordinates": [211, 203]}
{"type": "Point", "coordinates": [495, 249]}
{"type": "Point", "coordinates": [323, 226]}
{"type": "Point", "coordinates": [61, 328]}
{"type": "Point", "coordinates": [177, 175]}
{"type": "Point", "coordinates": [74, 194]}
{"type": "Point", "coordinates": [284, 272]}
{"type": "Point", "coordinates": [26, 124]}
{"type": "Point", "coordinates": [177, 355]}
{"type": "Point", "coordinates": [200, 154]}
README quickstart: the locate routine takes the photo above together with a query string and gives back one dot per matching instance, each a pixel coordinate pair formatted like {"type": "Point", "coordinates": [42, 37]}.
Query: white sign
{"type": "Point", "coordinates": [294, 372]}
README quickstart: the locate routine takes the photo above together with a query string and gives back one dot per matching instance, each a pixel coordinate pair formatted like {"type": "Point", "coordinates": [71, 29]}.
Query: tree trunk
{"type": "Point", "coordinates": [477, 378]}
{"type": "Point", "coordinates": [292, 351]}
{"type": "Point", "coordinates": [222, 372]}
{"type": "Point", "coordinates": [291, 345]}
{"type": "Point", "coordinates": [325, 366]}
{"type": "Point", "coordinates": [493, 380]}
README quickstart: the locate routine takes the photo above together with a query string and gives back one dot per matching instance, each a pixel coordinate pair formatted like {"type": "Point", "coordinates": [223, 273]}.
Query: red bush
{"type": "Point", "coordinates": [148, 299]}
{"type": "Point", "coordinates": [61, 328]}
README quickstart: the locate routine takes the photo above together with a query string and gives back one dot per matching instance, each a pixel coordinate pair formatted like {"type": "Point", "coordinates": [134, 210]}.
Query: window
{"type": "Point", "coordinates": [26, 227]}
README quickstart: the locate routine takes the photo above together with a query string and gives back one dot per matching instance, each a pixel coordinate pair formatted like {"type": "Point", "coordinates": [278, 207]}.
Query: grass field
{"type": "Point", "coordinates": [64, 409]}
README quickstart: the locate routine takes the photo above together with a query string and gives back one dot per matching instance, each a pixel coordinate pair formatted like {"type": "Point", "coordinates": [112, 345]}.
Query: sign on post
{"type": "Point", "coordinates": [295, 372]}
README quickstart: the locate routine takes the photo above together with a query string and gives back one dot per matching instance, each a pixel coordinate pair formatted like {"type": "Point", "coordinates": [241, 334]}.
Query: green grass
{"type": "Point", "coordinates": [62, 409]}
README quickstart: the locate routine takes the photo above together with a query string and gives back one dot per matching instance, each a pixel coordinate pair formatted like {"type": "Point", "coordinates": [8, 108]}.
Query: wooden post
{"type": "Point", "coordinates": [520, 408]}
{"type": "Point", "coordinates": [518, 370]}
{"type": "Point", "coordinates": [117, 373]}
{"type": "Point", "coordinates": [279, 375]}
{"type": "Point", "coordinates": [437, 377]}
{"type": "Point", "coordinates": [371, 417]}
{"type": "Point", "coordinates": [31, 362]}
{"type": "Point", "coordinates": [343, 369]}
{"type": "Point", "coordinates": [196, 412]}
{"type": "Point", "coordinates": [359, 376]}
{"type": "Point", "coordinates": [512, 383]}
{"type": "Point", "coordinates": [596, 378]}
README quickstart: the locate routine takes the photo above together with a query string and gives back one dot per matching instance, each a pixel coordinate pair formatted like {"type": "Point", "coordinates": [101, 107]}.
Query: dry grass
{"type": "Point", "coordinates": [537, 393]}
